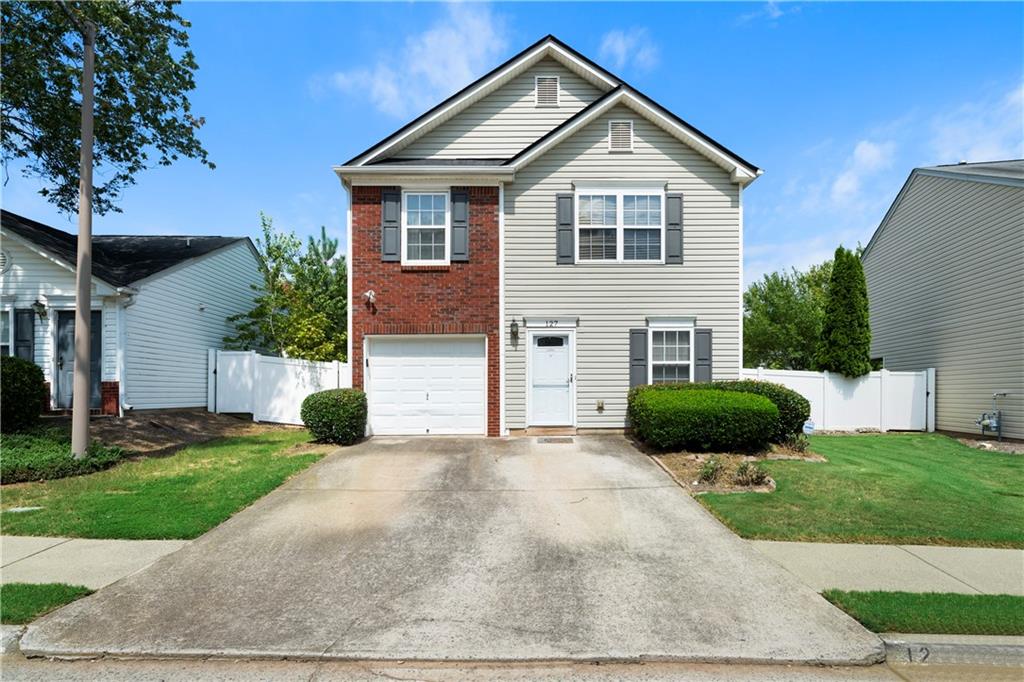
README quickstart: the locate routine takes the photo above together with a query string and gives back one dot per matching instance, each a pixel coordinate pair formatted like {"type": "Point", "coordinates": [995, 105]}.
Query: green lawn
{"type": "Point", "coordinates": [22, 602]}
{"type": "Point", "coordinates": [934, 613]}
{"type": "Point", "coordinates": [176, 497]}
{"type": "Point", "coordinates": [886, 488]}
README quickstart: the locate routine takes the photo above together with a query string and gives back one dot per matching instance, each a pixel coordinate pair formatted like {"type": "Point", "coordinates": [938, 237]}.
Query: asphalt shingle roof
{"type": "Point", "coordinates": [118, 260]}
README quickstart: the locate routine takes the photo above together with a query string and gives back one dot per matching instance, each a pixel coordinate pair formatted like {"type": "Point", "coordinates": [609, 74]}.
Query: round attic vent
{"type": "Point", "coordinates": [5, 262]}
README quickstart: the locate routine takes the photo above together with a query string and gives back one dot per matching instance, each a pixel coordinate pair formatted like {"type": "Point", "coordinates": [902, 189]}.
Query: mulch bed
{"type": "Point", "coordinates": [685, 468]}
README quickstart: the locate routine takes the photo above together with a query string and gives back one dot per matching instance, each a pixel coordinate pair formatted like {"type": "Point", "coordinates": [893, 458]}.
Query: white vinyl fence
{"type": "Point", "coordinates": [271, 389]}
{"type": "Point", "coordinates": [883, 400]}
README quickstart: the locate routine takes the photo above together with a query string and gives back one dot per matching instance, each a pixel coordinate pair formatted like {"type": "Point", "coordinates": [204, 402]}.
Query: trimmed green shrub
{"type": "Point", "coordinates": [793, 408]}
{"type": "Point", "coordinates": [45, 454]}
{"type": "Point", "coordinates": [701, 418]}
{"type": "Point", "coordinates": [336, 416]}
{"type": "Point", "coordinates": [22, 390]}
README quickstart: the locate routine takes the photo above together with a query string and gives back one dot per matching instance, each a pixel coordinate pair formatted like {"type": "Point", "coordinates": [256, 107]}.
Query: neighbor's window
{"type": "Point", "coordinates": [425, 221]}
{"type": "Point", "coordinates": [620, 226]}
{"type": "Point", "coordinates": [5, 332]}
{"type": "Point", "coordinates": [671, 356]}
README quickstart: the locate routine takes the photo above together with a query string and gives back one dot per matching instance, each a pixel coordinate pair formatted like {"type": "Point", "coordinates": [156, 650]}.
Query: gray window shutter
{"type": "Point", "coordinates": [391, 226]}
{"type": "Point", "coordinates": [25, 334]}
{"type": "Point", "coordinates": [460, 226]}
{"type": "Point", "coordinates": [637, 357]}
{"type": "Point", "coordinates": [565, 244]}
{"type": "Point", "coordinates": [673, 228]}
{"type": "Point", "coordinates": [702, 355]}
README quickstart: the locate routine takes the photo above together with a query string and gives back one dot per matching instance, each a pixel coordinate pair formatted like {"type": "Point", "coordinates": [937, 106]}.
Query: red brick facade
{"type": "Point", "coordinates": [109, 396]}
{"type": "Point", "coordinates": [461, 298]}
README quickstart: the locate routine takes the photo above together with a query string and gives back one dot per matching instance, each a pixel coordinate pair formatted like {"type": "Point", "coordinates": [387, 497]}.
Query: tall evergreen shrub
{"type": "Point", "coordinates": [845, 346]}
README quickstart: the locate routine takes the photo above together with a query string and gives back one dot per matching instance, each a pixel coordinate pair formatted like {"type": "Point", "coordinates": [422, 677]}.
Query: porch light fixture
{"type": "Point", "coordinates": [514, 330]}
{"type": "Point", "coordinates": [40, 309]}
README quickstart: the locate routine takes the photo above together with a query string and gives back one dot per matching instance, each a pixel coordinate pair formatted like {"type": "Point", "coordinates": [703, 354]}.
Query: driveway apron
{"type": "Point", "coordinates": [466, 549]}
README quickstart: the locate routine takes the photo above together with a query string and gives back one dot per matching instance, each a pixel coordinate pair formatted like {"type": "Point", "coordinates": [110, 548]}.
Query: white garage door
{"type": "Point", "coordinates": [427, 385]}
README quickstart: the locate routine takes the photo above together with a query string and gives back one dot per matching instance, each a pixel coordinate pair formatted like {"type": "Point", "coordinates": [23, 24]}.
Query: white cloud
{"type": "Point", "coordinates": [431, 65]}
{"type": "Point", "coordinates": [981, 131]}
{"type": "Point", "coordinates": [867, 159]}
{"type": "Point", "coordinates": [770, 11]}
{"type": "Point", "coordinates": [633, 48]}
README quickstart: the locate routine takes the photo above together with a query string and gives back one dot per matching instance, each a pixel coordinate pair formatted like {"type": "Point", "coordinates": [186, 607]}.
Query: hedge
{"type": "Point", "coordinates": [336, 416]}
{"type": "Point", "coordinates": [22, 388]}
{"type": "Point", "coordinates": [703, 419]}
{"type": "Point", "coordinates": [793, 408]}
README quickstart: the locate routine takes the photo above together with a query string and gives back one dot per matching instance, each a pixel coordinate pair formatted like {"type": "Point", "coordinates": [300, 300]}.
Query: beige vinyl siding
{"type": "Point", "coordinates": [33, 277]}
{"type": "Point", "coordinates": [946, 289]}
{"type": "Point", "coordinates": [610, 299]}
{"type": "Point", "coordinates": [506, 121]}
{"type": "Point", "coordinates": [168, 336]}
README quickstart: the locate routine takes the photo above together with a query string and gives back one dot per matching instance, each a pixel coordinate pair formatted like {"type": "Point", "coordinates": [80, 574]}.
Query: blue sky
{"type": "Point", "coordinates": [837, 102]}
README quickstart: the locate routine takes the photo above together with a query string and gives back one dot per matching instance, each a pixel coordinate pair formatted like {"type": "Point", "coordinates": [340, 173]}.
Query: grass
{"type": "Point", "coordinates": [22, 602]}
{"type": "Point", "coordinates": [176, 497]}
{"type": "Point", "coordinates": [922, 489]}
{"type": "Point", "coordinates": [933, 613]}
{"type": "Point", "coordinates": [45, 454]}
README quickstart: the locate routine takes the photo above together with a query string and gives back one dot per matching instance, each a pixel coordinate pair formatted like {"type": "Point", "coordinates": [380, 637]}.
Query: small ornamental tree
{"type": "Point", "coordinates": [845, 346]}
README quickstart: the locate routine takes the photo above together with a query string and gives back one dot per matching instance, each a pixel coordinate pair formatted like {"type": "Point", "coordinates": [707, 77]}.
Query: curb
{"type": "Point", "coordinates": [10, 635]}
{"type": "Point", "coordinates": [954, 649]}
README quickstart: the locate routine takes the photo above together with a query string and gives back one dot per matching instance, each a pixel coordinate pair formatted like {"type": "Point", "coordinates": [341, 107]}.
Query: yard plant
{"type": "Point", "coordinates": [702, 419]}
{"type": "Point", "coordinates": [23, 390]}
{"type": "Point", "coordinates": [922, 489]}
{"type": "Point", "coordinates": [45, 453]}
{"type": "Point", "coordinates": [845, 345]}
{"type": "Point", "coordinates": [161, 498]}
{"type": "Point", "coordinates": [336, 416]}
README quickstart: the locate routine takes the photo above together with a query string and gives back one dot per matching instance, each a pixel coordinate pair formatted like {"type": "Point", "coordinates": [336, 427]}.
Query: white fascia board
{"type": "Point", "coordinates": [548, 49]}
{"type": "Point", "coordinates": [103, 288]}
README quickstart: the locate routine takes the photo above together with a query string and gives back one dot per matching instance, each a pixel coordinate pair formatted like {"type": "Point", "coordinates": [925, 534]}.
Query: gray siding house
{"type": "Point", "coordinates": [945, 275]}
{"type": "Point", "coordinates": [619, 231]}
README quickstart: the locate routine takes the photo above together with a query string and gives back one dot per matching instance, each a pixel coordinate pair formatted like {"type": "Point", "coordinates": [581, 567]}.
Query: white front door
{"type": "Point", "coordinates": [551, 379]}
{"type": "Point", "coordinates": [427, 385]}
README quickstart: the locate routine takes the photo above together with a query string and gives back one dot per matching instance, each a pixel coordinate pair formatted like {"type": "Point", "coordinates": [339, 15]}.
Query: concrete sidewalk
{"type": "Point", "coordinates": [900, 568]}
{"type": "Point", "coordinates": [92, 563]}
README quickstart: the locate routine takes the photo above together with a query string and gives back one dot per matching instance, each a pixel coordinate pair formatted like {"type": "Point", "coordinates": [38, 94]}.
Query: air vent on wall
{"type": "Point", "coordinates": [620, 136]}
{"type": "Point", "coordinates": [5, 262]}
{"type": "Point", "coordinates": [546, 91]}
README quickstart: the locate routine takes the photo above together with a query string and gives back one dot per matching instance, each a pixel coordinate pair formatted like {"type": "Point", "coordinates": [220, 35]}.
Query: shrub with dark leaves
{"type": "Point", "coordinates": [336, 416]}
{"type": "Point", "coordinates": [22, 390]}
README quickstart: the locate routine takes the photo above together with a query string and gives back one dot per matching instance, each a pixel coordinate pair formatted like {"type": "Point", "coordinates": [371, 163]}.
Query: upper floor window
{"type": "Point", "coordinates": [626, 225]}
{"type": "Point", "coordinates": [426, 226]}
{"type": "Point", "coordinates": [546, 91]}
{"type": "Point", "coordinates": [620, 136]}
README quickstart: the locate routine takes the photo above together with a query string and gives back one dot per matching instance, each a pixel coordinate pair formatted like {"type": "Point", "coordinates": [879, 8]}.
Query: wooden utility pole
{"type": "Point", "coordinates": [82, 387]}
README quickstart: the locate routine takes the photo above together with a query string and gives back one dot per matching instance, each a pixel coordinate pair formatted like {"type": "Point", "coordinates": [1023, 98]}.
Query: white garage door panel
{"type": "Point", "coordinates": [424, 385]}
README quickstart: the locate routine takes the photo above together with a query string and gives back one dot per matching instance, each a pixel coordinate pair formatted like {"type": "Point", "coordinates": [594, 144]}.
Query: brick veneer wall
{"type": "Point", "coordinates": [461, 298]}
{"type": "Point", "coordinates": [109, 395]}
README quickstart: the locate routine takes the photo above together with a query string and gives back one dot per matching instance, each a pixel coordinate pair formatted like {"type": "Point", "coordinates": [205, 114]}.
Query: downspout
{"type": "Point", "coordinates": [127, 298]}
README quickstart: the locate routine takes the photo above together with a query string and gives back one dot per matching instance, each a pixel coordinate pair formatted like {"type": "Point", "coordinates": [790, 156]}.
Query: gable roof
{"type": "Point", "coordinates": [616, 89]}
{"type": "Point", "coordinates": [118, 260]}
{"type": "Point", "coordinates": [1008, 172]}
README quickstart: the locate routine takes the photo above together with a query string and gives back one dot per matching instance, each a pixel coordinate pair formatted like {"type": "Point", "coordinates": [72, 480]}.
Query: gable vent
{"type": "Point", "coordinates": [5, 262]}
{"type": "Point", "coordinates": [620, 136]}
{"type": "Point", "coordinates": [547, 91]}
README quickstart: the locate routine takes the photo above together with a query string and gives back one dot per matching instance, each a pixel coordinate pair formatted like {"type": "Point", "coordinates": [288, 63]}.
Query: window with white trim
{"type": "Point", "coordinates": [620, 136]}
{"type": "Point", "coordinates": [6, 331]}
{"type": "Point", "coordinates": [426, 224]}
{"type": "Point", "coordinates": [620, 226]}
{"type": "Point", "coordinates": [671, 356]}
{"type": "Point", "coordinates": [546, 91]}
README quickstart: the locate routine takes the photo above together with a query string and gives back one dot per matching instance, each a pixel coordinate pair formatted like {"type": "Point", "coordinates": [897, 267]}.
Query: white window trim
{"type": "Point", "coordinates": [536, 91]}
{"type": "Point", "coordinates": [9, 342]}
{"type": "Point", "coordinates": [620, 228]}
{"type": "Point", "coordinates": [631, 136]}
{"type": "Point", "coordinates": [650, 349]}
{"type": "Point", "coordinates": [447, 227]}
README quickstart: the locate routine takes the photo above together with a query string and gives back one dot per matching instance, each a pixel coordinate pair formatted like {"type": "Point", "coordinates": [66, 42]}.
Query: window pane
{"type": "Point", "coordinates": [597, 209]}
{"type": "Point", "coordinates": [670, 374]}
{"type": "Point", "coordinates": [5, 326]}
{"type": "Point", "coordinates": [439, 202]}
{"type": "Point", "coordinates": [641, 244]}
{"type": "Point", "coordinates": [412, 201]}
{"type": "Point", "coordinates": [425, 244]}
{"type": "Point", "coordinates": [584, 210]}
{"type": "Point", "coordinates": [597, 244]}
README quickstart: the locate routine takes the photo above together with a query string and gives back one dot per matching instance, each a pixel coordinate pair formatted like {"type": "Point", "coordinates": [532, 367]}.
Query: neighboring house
{"type": "Point", "coordinates": [158, 305]}
{"type": "Point", "coordinates": [945, 275]}
{"type": "Point", "coordinates": [528, 249]}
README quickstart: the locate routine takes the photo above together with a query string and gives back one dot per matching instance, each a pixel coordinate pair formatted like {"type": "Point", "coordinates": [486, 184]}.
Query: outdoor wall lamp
{"type": "Point", "coordinates": [40, 309]}
{"type": "Point", "coordinates": [514, 330]}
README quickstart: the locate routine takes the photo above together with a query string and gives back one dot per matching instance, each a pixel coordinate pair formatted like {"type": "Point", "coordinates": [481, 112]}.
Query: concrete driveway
{"type": "Point", "coordinates": [466, 549]}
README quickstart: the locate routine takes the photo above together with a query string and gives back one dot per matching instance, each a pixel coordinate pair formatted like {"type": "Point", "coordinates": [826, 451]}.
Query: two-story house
{"type": "Point", "coordinates": [531, 247]}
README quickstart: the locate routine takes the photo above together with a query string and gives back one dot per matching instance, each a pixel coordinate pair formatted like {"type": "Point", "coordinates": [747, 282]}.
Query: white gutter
{"type": "Point", "coordinates": [497, 172]}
